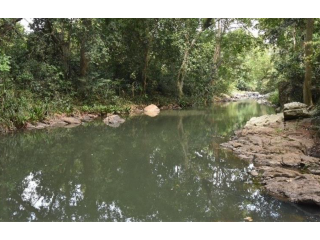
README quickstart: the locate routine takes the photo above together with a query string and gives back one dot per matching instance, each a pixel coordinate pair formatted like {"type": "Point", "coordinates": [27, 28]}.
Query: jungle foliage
{"type": "Point", "coordinates": [67, 65]}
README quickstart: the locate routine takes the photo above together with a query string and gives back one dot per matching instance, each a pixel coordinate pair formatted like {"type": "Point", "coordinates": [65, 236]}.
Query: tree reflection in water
{"type": "Point", "coordinates": [167, 168]}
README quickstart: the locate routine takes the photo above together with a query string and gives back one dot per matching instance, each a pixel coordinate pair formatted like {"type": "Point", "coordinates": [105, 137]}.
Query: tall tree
{"type": "Point", "coordinates": [184, 65]}
{"type": "Point", "coordinates": [307, 96]}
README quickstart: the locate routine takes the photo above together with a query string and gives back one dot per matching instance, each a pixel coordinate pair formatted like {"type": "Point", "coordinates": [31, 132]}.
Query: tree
{"type": "Point", "coordinates": [307, 97]}
{"type": "Point", "coordinates": [189, 46]}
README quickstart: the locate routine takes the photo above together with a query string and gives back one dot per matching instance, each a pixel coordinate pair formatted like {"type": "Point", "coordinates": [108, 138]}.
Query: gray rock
{"type": "Point", "coordinates": [254, 173]}
{"type": "Point", "coordinates": [58, 123]}
{"type": "Point", "coordinates": [113, 121]}
{"type": "Point", "coordinates": [88, 117]}
{"type": "Point", "coordinates": [71, 120]}
{"type": "Point", "coordinates": [41, 125]}
{"type": "Point", "coordinates": [301, 189]}
{"type": "Point", "coordinates": [294, 105]}
{"type": "Point", "coordinates": [295, 110]}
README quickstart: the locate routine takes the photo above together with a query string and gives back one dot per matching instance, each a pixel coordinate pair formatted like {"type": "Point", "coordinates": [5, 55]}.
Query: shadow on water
{"type": "Point", "coordinates": [167, 168]}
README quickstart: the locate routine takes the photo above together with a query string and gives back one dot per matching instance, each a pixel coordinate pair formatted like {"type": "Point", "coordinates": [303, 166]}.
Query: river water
{"type": "Point", "coordinates": [166, 168]}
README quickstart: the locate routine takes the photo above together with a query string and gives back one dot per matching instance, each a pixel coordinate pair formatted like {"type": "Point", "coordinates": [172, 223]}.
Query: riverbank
{"type": "Point", "coordinates": [285, 155]}
{"type": "Point", "coordinates": [245, 95]}
{"type": "Point", "coordinates": [80, 116]}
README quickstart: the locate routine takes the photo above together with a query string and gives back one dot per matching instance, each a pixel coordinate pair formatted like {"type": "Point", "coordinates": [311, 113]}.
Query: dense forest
{"type": "Point", "coordinates": [104, 65]}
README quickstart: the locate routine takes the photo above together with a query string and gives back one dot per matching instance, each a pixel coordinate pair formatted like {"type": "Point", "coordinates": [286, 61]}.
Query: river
{"type": "Point", "coordinates": [166, 168]}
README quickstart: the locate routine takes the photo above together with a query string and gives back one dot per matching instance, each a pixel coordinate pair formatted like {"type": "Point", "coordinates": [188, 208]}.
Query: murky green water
{"type": "Point", "coordinates": [167, 168]}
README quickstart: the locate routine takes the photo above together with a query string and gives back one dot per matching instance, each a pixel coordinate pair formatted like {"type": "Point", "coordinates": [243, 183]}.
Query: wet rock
{"type": "Point", "coordinates": [171, 107]}
{"type": "Point", "coordinates": [136, 110]}
{"type": "Point", "coordinates": [151, 110]}
{"type": "Point", "coordinates": [71, 120]}
{"type": "Point", "coordinates": [41, 125]}
{"type": "Point", "coordinates": [29, 126]}
{"type": "Point", "coordinates": [296, 110]}
{"type": "Point", "coordinates": [301, 189]}
{"type": "Point", "coordinates": [58, 123]}
{"type": "Point", "coordinates": [2, 129]}
{"type": "Point", "coordinates": [88, 117]}
{"type": "Point", "coordinates": [281, 156]}
{"type": "Point", "coordinates": [254, 173]}
{"type": "Point", "coordinates": [113, 121]}
{"type": "Point", "coordinates": [248, 219]}
{"type": "Point", "coordinates": [273, 172]}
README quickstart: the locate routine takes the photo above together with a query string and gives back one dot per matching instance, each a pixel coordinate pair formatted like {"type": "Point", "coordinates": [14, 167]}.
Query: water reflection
{"type": "Point", "coordinates": [167, 168]}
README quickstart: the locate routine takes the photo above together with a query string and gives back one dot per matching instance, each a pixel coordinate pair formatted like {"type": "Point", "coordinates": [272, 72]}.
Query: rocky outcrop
{"type": "Point", "coordinates": [61, 121]}
{"type": "Point", "coordinates": [113, 121]}
{"type": "Point", "coordinates": [71, 120]}
{"type": "Point", "coordinates": [296, 110]}
{"type": "Point", "coordinates": [261, 99]}
{"type": "Point", "coordinates": [280, 152]}
{"type": "Point", "coordinates": [136, 110]}
{"type": "Point", "coordinates": [171, 107]}
{"type": "Point", "coordinates": [290, 184]}
{"type": "Point", "coordinates": [151, 110]}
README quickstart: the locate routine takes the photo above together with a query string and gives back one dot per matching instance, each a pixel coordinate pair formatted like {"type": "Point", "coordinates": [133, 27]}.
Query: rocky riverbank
{"type": "Point", "coordinates": [110, 119]}
{"type": "Point", "coordinates": [239, 96]}
{"type": "Point", "coordinates": [285, 155]}
{"type": "Point", "coordinates": [62, 120]}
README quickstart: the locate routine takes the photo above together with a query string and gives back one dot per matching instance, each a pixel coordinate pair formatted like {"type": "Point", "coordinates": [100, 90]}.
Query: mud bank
{"type": "Point", "coordinates": [285, 156]}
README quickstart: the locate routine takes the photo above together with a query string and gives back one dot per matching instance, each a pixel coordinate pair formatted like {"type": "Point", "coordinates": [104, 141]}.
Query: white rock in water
{"type": "Point", "coordinates": [151, 110]}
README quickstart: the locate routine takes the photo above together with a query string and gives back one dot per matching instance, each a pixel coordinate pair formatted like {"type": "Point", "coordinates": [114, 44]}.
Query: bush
{"type": "Point", "coordinates": [274, 98]}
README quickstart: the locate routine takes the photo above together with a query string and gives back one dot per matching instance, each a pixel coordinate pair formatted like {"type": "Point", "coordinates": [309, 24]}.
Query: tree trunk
{"type": "Point", "coordinates": [65, 49]}
{"type": "Point", "coordinates": [84, 60]}
{"type": "Point", "coordinates": [307, 97]}
{"type": "Point", "coordinates": [145, 69]}
{"type": "Point", "coordinates": [217, 52]}
{"type": "Point", "coordinates": [294, 36]}
{"type": "Point", "coordinates": [183, 68]}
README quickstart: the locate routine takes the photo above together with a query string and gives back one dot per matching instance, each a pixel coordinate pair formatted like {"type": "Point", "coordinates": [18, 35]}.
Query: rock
{"type": "Point", "coordinates": [113, 121]}
{"type": "Point", "coordinates": [225, 97]}
{"type": "Point", "coordinates": [279, 153]}
{"type": "Point", "coordinates": [273, 172]}
{"type": "Point", "coordinates": [294, 105]}
{"type": "Point", "coordinates": [171, 107]}
{"type": "Point", "coordinates": [301, 189]}
{"type": "Point", "coordinates": [88, 117]}
{"type": "Point", "coordinates": [57, 123]}
{"type": "Point", "coordinates": [30, 126]}
{"type": "Point", "coordinates": [2, 129]}
{"type": "Point", "coordinates": [40, 125]}
{"type": "Point", "coordinates": [136, 110]}
{"type": "Point", "coordinates": [151, 110]}
{"type": "Point", "coordinates": [71, 120]}
{"type": "Point", "coordinates": [264, 120]}
{"type": "Point", "coordinates": [254, 173]}
{"type": "Point", "coordinates": [295, 110]}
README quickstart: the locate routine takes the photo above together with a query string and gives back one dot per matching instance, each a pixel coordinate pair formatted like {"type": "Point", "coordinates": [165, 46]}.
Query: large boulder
{"type": "Point", "coordinates": [151, 110]}
{"type": "Point", "coordinates": [113, 121]}
{"type": "Point", "coordinates": [295, 110]}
